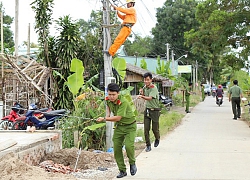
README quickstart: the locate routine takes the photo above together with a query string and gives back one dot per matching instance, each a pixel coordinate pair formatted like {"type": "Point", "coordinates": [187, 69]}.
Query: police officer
{"type": "Point", "coordinates": [125, 128]}
{"type": "Point", "coordinates": [202, 92]}
{"type": "Point", "coordinates": [187, 96]}
{"type": "Point", "coordinates": [152, 112]}
{"type": "Point", "coordinates": [235, 93]}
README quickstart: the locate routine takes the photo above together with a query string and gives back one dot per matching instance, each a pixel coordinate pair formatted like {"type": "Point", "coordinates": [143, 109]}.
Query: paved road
{"type": "Point", "coordinates": [208, 145]}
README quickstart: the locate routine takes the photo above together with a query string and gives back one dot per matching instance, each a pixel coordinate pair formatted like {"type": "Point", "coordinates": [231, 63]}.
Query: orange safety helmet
{"type": "Point", "coordinates": [219, 86]}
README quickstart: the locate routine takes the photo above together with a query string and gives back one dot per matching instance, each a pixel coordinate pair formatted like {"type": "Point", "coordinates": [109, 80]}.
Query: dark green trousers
{"type": "Point", "coordinates": [203, 96]}
{"type": "Point", "coordinates": [236, 106]}
{"type": "Point", "coordinates": [151, 116]}
{"type": "Point", "coordinates": [187, 102]}
{"type": "Point", "coordinates": [124, 135]}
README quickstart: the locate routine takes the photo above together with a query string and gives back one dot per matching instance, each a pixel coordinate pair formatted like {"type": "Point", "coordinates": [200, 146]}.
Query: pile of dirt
{"type": "Point", "coordinates": [87, 159]}
{"type": "Point", "coordinates": [91, 165]}
{"type": "Point", "coordinates": [11, 168]}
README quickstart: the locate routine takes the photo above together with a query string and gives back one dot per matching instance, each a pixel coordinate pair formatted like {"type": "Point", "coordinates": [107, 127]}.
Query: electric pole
{"type": "Point", "coordinates": [173, 65]}
{"type": "Point", "coordinates": [16, 49]}
{"type": "Point", "coordinates": [107, 65]}
{"type": "Point", "coordinates": [28, 42]}
{"type": "Point", "coordinates": [193, 76]}
{"type": "Point", "coordinates": [196, 74]}
{"type": "Point", "coordinates": [167, 51]}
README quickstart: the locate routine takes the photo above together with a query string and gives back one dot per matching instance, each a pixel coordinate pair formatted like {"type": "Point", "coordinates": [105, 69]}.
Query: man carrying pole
{"type": "Point", "coordinates": [125, 128]}
{"type": "Point", "coordinates": [129, 19]}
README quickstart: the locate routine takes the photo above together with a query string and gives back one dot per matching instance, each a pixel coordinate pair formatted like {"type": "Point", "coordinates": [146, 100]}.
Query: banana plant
{"type": "Point", "coordinates": [75, 80]}
{"type": "Point", "coordinates": [120, 65]}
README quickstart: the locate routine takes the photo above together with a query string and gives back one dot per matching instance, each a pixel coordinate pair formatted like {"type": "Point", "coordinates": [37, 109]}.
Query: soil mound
{"type": "Point", "coordinates": [87, 159]}
{"type": "Point", "coordinates": [11, 168]}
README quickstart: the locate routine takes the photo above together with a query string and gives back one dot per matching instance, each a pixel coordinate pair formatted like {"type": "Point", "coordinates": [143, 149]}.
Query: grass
{"type": "Point", "coordinates": [245, 114]}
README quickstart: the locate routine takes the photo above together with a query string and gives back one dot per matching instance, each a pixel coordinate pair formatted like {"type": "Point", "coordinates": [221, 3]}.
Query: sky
{"type": "Point", "coordinates": [78, 9]}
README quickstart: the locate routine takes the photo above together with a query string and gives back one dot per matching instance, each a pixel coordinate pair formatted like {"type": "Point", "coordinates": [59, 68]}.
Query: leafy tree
{"type": "Point", "coordinates": [92, 26]}
{"type": "Point", "coordinates": [90, 48]}
{"type": "Point", "coordinates": [222, 23]}
{"type": "Point", "coordinates": [141, 46]}
{"type": "Point", "coordinates": [173, 19]}
{"type": "Point", "coordinates": [7, 33]}
{"type": "Point", "coordinates": [32, 44]}
{"type": "Point", "coordinates": [66, 45]}
{"type": "Point", "coordinates": [43, 10]}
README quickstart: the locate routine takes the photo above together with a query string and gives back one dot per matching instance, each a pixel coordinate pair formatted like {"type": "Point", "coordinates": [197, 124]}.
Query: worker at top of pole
{"type": "Point", "coordinates": [129, 19]}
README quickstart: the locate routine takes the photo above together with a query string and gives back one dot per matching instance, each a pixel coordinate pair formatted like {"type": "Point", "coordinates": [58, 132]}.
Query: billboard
{"type": "Point", "coordinates": [184, 69]}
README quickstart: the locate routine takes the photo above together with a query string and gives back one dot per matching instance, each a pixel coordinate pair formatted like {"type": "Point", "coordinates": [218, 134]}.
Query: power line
{"type": "Point", "coordinates": [148, 11]}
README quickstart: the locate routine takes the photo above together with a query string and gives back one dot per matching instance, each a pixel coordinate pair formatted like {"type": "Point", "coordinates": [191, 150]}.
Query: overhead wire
{"type": "Point", "coordinates": [148, 11]}
{"type": "Point", "coordinates": [177, 50]}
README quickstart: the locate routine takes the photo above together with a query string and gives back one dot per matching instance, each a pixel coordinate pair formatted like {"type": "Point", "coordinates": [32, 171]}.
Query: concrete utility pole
{"type": "Point", "coordinates": [173, 65]}
{"type": "Point", "coordinates": [16, 27]}
{"type": "Point", "coordinates": [167, 51]}
{"type": "Point", "coordinates": [28, 42]}
{"type": "Point", "coordinates": [196, 74]}
{"type": "Point", "coordinates": [16, 49]}
{"type": "Point", "coordinates": [107, 65]}
{"type": "Point", "coordinates": [193, 76]}
{"type": "Point", "coordinates": [1, 32]}
{"type": "Point", "coordinates": [2, 43]}
{"type": "Point", "coordinates": [2, 110]}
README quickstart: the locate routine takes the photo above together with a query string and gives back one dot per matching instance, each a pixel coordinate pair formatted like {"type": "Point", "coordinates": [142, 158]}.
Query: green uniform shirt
{"type": "Point", "coordinates": [235, 91]}
{"type": "Point", "coordinates": [188, 89]}
{"type": "Point", "coordinates": [152, 91]}
{"type": "Point", "coordinates": [121, 107]}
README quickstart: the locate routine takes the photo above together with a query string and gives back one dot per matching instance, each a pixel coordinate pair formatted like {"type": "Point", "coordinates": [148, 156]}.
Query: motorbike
{"type": "Point", "coordinates": [219, 100]}
{"type": "Point", "coordinates": [45, 119]}
{"type": "Point", "coordinates": [213, 92]}
{"type": "Point", "coordinates": [7, 121]}
{"type": "Point", "coordinates": [167, 102]}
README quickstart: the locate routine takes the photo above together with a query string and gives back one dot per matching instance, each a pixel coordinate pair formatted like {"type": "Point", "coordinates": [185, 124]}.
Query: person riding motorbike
{"type": "Point", "coordinates": [219, 93]}
{"type": "Point", "coordinates": [213, 88]}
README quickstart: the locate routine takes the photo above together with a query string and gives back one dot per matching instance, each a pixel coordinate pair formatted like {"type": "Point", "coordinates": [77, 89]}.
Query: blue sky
{"type": "Point", "coordinates": [78, 9]}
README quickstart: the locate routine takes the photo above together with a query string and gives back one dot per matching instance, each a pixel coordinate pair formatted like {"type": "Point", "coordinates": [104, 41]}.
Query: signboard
{"type": "Point", "coordinates": [167, 83]}
{"type": "Point", "coordinates": [184, 68]}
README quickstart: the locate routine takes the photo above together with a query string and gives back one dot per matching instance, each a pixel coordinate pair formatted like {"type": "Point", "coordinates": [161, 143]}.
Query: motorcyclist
{"type": "Point", "coordinates": [214, 88]}
{"type": "Point", "coordinates": [219, 93]}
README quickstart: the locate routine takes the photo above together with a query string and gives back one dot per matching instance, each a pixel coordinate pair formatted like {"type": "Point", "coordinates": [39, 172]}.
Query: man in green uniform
{"type": "Point", "coordinates": [187, 96]}
{"type": "Point", "coordinates": [152, 112]}
{"type": "Point", "coordinates": [125, 128]}
{"type": "Point", "coordinates": [235, 95]}
{"type": "Point", "coordinates": [202, 92]}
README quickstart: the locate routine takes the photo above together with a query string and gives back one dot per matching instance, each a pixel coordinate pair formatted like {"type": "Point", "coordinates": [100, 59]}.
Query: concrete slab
{"type": "Point", "coordinates": [208, 145]}
{"type": "Point", "coordinates": [30, 147]}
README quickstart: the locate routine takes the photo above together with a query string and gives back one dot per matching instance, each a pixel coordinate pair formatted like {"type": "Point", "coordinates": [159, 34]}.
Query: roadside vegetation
{"type": "Point", "coordinates": [204, 35]}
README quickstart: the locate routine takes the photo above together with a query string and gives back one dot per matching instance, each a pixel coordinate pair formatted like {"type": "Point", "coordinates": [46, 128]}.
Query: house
{"type": "Point", "coordinates": [134, 77]}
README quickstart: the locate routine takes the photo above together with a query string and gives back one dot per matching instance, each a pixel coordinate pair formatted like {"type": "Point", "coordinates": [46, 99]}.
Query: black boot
{"type": "Point", "coordinates": [133, 169]}
{"type": "Point", "coordinates": [121, 174]}
{"type": "Point", "coordinates": [148, 148]}
{"type": "Point", "coordinates": [157, 141]}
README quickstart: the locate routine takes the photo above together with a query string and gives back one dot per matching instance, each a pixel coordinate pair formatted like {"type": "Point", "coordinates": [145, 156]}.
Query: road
{"type": "Point", "coordinates": [208, 145]}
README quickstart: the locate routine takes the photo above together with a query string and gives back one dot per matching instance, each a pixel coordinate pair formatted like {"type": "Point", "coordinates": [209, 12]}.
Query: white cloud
{"type": "Point", "coordinates": [78, 9]}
